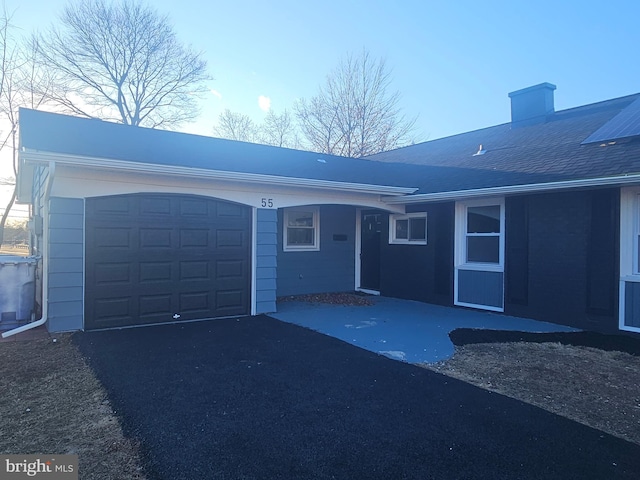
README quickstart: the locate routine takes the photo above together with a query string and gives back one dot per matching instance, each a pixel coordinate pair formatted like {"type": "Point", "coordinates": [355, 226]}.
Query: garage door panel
{"type": "Point", "coordinates": [195, 302]}
{"type": "Point", "coordinates": [192, 207]}
{"type": "Point", "coordinates": [228, 302]}
{"type": "Point", "coordinates": [153, 272]}
{"type": "Point", "coordinates": [198, 238]}
{"type": "Point", "coordinates": [159, 304]}
{"type": "Point", "coordinates": [155, 237]}
{"type": "Point", "coordinates": [113, 311]}
{"type": "Point", "coordinates": [230, 238]}
{"type": "Point", "coordinates": [113, 237]}
{"type": "Point", "coordinates": [155, 206]}
{"type": "Point", "coordinates": [195, 270]}
{"type": "Point", "coordinates": [152, 257]}
{"type": "Point", "coordinates": [112, 274]}
{"type": "Point", "coordinates": [227, 269]}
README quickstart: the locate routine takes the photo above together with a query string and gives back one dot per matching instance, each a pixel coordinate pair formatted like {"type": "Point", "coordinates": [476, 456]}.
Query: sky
{"type": "Point", "coordinates": [453, 62]}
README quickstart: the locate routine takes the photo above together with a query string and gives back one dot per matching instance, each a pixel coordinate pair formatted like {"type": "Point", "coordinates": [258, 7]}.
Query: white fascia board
{"type": "Point", "coordinates": [37, 157]}
{"type": "Point", "coordinates": [514, 189]}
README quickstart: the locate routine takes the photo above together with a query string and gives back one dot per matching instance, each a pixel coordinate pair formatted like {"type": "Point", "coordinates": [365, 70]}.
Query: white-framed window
{"type": "Point", "coordinates": [301, 229]}
{"type": "Point", "coordinates": [410, 228]}
{"type": "Point", "coordinates": [481, 239]}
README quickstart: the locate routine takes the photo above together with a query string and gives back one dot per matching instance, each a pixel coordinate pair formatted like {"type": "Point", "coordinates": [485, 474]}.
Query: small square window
{"type": "Point", "coordinates": [408, 229]}
{"type": "Point", "coordinates": [301, 229]}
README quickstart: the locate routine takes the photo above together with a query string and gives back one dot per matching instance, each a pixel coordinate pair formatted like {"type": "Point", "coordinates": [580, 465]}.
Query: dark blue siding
{"type": "Point", "coordinates": [66, 264]}
{"type": "Point", "coordinates": [481, 288]}
{"type": "Point", "coordinates": [266, 260]}
{"type": "Point", "coordinates": [332, 268]}
{"type": "Point", "coordinates": [421, 272]}
{"type": "Point", "coordinates": [572, 256]}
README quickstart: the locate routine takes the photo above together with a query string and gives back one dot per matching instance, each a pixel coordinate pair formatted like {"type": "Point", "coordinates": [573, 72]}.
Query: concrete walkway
{"type": "Point", "coordinates": [405, 330]}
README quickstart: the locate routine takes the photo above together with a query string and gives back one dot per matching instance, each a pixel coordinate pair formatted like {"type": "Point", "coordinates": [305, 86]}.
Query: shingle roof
{"type": "Point", "coordinates": [63, 134]}
{"type": "Point", "coordinates": [540, 153]}
{"type": "Point", "coordinates": [545, 152]}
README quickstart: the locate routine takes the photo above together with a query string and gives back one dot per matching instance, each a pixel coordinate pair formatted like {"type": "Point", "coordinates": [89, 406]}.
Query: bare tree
{"type": "Point", "coordinates": [236, 126]}
{"type": "Point", "coordinates": [23, 83]}
{"type": "Point", "coordinates": [354, 114]}
{"type": "Point", "coordinates": [122, 61]}
{"type": "Point", "coordinates": [279, 130]}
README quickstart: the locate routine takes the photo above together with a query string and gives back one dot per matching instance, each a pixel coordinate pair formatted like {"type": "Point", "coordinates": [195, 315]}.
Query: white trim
{"type": "Point", "coordinates": [629, 231]}
{"type": "Point", "coordinates": [358, 249]}
{"type": "Point", "coordinates": [29, 156]}
{"type": "Point", "coordinates": [460, 248]}
{"type": "Point", "coordinates": [461, 235]}
{"type": "Point", "coordinates": [407, 216]}
{"type": "Point", "coordinates": [367, 291]}
{"type": "Point", "coordinates": [480, 307]}
{"type": "Point", "coordinates": [514, 189]}
{"type": "Point", "coordinates": [254, 260]}
{"type": "Point", "coordinates": [315, 211]}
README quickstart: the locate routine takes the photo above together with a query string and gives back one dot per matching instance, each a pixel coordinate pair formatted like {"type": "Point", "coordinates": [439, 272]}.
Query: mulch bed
{"type": "Point", "coordinates": [255, 398]}
{"type": "Point", "coordinates": [339, 298]}
{"type": "Point", "coordinates": [619, 343]}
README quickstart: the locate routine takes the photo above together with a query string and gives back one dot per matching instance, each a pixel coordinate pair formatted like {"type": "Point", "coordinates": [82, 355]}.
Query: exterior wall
{"type": "Point", "coordinates": [66, 264]}
{"type": "Point", "coordinates": [332, 268]}
{"type": "Point", "coordinates": [421, 272]}
{"type": "Point", "coordinates": [266, 260]}
{"type": "Point", "coordinates": [561, 256]}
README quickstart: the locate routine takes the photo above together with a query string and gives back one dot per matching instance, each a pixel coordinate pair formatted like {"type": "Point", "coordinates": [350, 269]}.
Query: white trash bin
{"type": "Point", "coordinates": [17, 290]}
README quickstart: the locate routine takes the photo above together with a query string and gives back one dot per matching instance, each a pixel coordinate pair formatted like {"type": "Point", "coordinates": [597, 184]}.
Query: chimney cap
{"type": "Point", "coordinates": [533, 88]}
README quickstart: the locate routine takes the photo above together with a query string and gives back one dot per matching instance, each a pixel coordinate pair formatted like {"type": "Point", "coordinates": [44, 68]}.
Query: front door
{"type": "Point", "coordinates": [370, 237]}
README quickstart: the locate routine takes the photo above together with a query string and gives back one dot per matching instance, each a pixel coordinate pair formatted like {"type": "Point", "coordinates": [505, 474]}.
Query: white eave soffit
{"type": "Point", "coordinates": [514, 189]}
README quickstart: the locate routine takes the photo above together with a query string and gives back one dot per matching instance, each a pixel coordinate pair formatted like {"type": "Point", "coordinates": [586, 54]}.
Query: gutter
{"type": "Point", "coordinates": [514, 189]}
{"type": "Point", "coordinates": [45, 261]}
{"type": "Point", "coordinates": [173, 170]}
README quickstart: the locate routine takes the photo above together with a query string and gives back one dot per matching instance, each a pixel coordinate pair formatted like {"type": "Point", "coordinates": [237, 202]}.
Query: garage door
{"type": "Point", "coordinates": [165, 258]}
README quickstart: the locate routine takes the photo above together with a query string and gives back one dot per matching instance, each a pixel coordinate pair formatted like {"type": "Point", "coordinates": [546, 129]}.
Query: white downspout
{"type": "Point", "coordinates": [45, 260]}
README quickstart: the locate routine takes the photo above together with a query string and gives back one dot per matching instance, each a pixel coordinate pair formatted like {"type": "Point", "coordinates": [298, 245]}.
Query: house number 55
{"type": "Point", "coordinates": [267, 203]}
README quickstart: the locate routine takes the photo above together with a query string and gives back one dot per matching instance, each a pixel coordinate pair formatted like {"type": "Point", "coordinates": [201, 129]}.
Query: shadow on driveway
{"type": "Point", "coordinates": [257, 398]}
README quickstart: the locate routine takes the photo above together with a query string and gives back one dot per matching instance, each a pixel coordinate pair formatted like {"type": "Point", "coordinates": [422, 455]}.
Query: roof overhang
{"type": "Point", "coordinates": [29, 158]}
{"type": "Point", "coordinates": [515, 189]}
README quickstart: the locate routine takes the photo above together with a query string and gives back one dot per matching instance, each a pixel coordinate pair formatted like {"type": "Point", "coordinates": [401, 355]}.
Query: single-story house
{"type": "Point", "coordinates": [538, 217]}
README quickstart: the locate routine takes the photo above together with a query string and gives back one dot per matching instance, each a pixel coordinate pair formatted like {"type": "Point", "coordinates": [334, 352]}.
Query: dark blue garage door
{"type": "Point", "coordinates": [153, 258]}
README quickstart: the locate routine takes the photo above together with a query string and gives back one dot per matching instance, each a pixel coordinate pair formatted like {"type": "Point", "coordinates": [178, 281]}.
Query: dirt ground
{"type": "Point", "coordinates": [591, 386]}
{"type": "Point", "coordinates": [51, 403]}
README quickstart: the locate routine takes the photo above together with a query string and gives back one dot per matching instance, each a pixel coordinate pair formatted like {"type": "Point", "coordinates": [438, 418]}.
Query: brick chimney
{"type": "Point", "coordinates": [531, 105]}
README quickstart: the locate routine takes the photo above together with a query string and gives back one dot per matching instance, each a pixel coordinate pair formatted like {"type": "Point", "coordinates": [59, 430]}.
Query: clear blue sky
{"type": "Point", "coordinates": [454, 62]}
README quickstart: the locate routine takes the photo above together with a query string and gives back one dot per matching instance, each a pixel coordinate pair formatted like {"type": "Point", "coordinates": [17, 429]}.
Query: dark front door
{"type": "Point", "coordinates": [153, 258]}
{"type": "Point", "coordinates": [371, 231]}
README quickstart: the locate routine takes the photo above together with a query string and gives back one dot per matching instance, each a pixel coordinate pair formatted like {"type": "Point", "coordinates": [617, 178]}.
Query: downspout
{"type": "Point", "coordinates": [45, 260]}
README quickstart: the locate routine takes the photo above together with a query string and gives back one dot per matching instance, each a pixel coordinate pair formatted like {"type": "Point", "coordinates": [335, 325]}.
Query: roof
{"type": "Point", "coordinates": [545, 152]}
{"type": "Point", "coordinates": [491, 158]}
{"type": "Point", "coordinates": [82, 137]}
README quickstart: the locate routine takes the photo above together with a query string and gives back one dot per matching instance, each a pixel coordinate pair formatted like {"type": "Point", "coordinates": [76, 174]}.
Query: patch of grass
{"type": "Point", "coordinates": [598, 388]}
{"type": "Point", "coordinates": [51, 403]}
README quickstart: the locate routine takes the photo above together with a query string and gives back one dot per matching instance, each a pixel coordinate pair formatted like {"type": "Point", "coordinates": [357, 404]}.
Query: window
{"type": "Point", "coordinates": [483, 234]}
{"type": "Point", "coordinates": [301, 229]}
{"type": "Point", "coordinates": [408, 229]}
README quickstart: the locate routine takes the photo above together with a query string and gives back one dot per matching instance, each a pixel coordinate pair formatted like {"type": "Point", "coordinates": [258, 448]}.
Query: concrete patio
{"type": "Point", "coordinates": [405, 330]}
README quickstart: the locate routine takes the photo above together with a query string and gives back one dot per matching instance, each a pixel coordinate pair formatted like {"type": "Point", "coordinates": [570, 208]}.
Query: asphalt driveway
{"type": "Point", "coordinates": [257, 398]}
